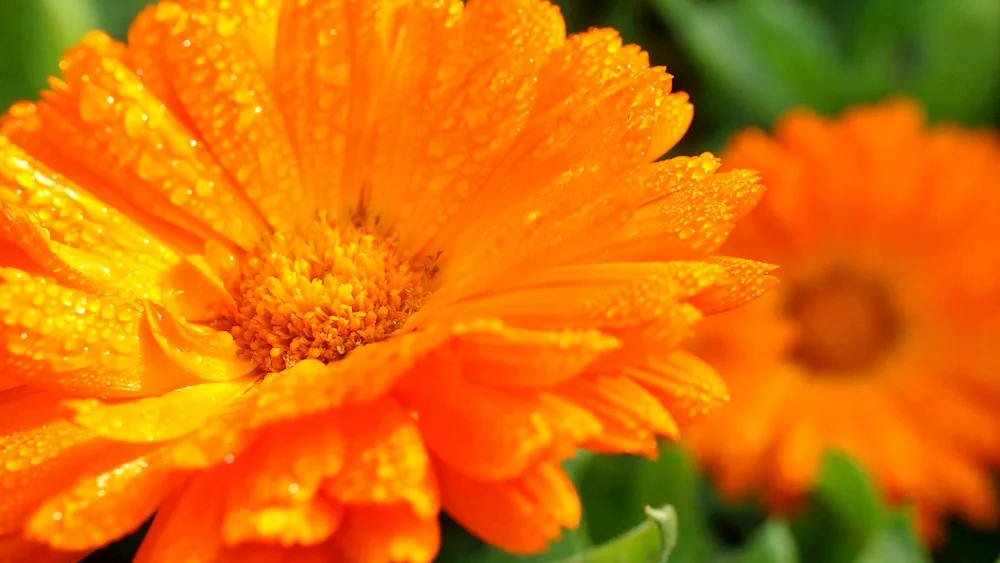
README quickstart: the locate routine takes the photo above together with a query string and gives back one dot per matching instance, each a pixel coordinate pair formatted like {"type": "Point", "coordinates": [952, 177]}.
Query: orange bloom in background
{"type": "Point", "coordinates": [881, 339]}
{"type": "Point", "coordinates": [297, 276]}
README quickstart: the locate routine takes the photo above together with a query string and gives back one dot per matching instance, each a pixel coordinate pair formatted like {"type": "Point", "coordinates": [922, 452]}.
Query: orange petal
{"type": "Point", "coordinates": [15, 549]}
{"type": "Point", "coordinates": [329, 52]}
{"type": "Point", "coordinates": [145, 55]}
{"type": "Point", "coordinates": [492, 353]}
{"type": "Point", "coordinates": [969, 488]}
{"type": "Point", "coordinates": [287, 463]}
{"type": "Point", "coordinates": [183, 286]}
{"type": "Point", "coordinates": [219, 439]}
{"type": "Point", "coordinates": [75, 268]}
{"type": "Point", "coordinates": [389, 534]}
{"type": "Point", "coordinates": [257, 22]}
{"type": "Point", "coordinates": [187, 525]}
{"type": "Point", "coordinates": [687, 386]}
{"type": "Point", "coordinates": [386, 461]}
{"type": "Point", "coordinates": [11, 254]}
{"type": "Point", "coordinates": [366, 373]}
{"type": "Point", "coordinates": [463, 111]}
{"type": "Point", "coordinates": [156, 419]}
{"type": "Point", "coordinates": [39, 452]}
{"type": "Point", "coordinates": [521, 515]}
{"type": "Point", "coordinates": [200, 351]}
{"type": "Point", "coordinates": [594, 295]}
{"type": "Point", "coordinates": [225, 91]}
{"type": "Point", "coordinates": [197, 292]}
{"type": "Point", "coordinates": [103, 508]}
{"type": "Point", "coordinates": [47, 143]}
{"type": "Point", "coordinates": [553, 205]}
{"type": "Point", "coordinates": [122, 131]}
{"type": "Point", "coordinates": [66, 339]}
{"type": "Point", "coordinates": [75, 220]}
{"type": "Point", "coordinates": [261, 553]}
{"type": "Point", "coordinates": [304, 523]}
{"type": "Point", "coordinates": [272, 493]}
{"type": "Point", "coordinates": [485, 432]}
{"type": "Point", "coordinates": [747, 281]}
{"type": "Point", "coordinates": [692, 220]}
{"type": "Point", "coordinates": [9, 383]}
{"type": "Point", "coordinates": [594, 66]}
{"type": "Point", "coordinates": [798, 455]}
{"type": "Point", "coordinates": [631, 419]}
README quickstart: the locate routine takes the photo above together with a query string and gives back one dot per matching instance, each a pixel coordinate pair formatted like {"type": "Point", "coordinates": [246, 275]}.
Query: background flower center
{"type": "Point", "coordinates": [320, 294]}
{"type": "Point", "coordinates": [845, 320]}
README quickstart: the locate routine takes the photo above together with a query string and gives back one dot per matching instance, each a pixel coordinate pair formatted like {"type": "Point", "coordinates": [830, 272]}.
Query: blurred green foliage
{"type": "Point", "coordinates": [744, 62]}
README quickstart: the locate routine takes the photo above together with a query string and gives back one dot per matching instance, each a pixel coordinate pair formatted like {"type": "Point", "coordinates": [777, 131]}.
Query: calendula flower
{"type": "Point", "coordinates": [296, 276]}
{"type": "Point", "coordinates": [881, 340]}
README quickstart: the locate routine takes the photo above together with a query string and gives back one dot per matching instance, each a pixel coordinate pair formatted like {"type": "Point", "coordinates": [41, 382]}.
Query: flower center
{"type": "Point", "coordinates": [320, 294]}
{"type": "Point", "coordinates": [846, 321]}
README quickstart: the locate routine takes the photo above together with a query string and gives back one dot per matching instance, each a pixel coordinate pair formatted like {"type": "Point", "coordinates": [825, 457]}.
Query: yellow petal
{"type": "Point", "coordinates": [746, 281]}
{"type": "Point", "coordinates": [521, 515]}
{"type": "Point", "coordinates": [495, 354]}
{"type": "Point", "coordinates": [389, 534]}
{"type": "Point", "coordinates": [61, 338]}
{"type": "Point", "coordinates": [157, 419]}
{"type": "Point", "coordinates": [386, 461]}
{"type": "Point", "coordinates": [103, 508]}
{"type": "Point", "coordinates": [225, 91]}
{"type": "Point", "coordinates": [200, 351]}
{"type": "Point", "coordinates": [106, 120]}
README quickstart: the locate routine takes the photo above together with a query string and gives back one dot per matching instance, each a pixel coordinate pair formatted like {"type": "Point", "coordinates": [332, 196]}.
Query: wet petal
{"type": "Point", "coordinates": [225, 90]}
{"type": "Point", "coordinates": [330, 54]}
{"type": "Point", "coordinates": [694, 214]}
{"type": "Point", "coordinates": [495, 354]}
{"type": "Point", "coordinates": [74, 220]}
{"type": "Point", "coordinates": [386, 461]}
{"type": "Point", "coordinates": [39, 452]}
{"type": "Point", "coordinates": [366, 373]}
{"type": "Point", "coordinates": [746, 281]}
{"type": "Point", "coordinates": [521, 515]}
{"type": "Point", "coordinates": [103, 508]}
{"type": "Point", "coordinates": [612, 295]}
{"type": "Point", "coordinates": [200, 351]}
{"type": "Point", "coordinates": [65, 339]}
{"type": "Point", "coordinates": [631, 418]}
{"type": "Point", "coordinates": [303, 523]}
{"type": "Point", "coordinates": [486, 432]}
{"type": "Point", "coordinates": [186, 527]}
{"type": "Point", "coordinates": [105, 119]}
{"type": "Point", "coordinates": [464, 108]}
{"type": "Point", "coordinates": [389, 534]}
{"type": "Point", "coordinates": [687, 386]}
{"type": "Point", "coordinates": [156, 419]}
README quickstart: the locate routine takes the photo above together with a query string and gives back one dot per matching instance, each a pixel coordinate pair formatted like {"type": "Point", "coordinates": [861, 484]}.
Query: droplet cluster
{"type": "Point", "coordinates": [77, 339]}
{"type": "Point", "coordinates": [319, 295]}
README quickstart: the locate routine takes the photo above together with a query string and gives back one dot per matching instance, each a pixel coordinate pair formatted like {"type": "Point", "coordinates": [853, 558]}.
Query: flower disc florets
{"type": "Point", "coordinates": [320, 294]}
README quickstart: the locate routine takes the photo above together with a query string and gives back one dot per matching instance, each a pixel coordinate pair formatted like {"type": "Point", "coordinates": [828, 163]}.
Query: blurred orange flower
{"type": "Point", "coordinates": [881, 339]}
{"type": "Point", "coordinates": [298, 275]}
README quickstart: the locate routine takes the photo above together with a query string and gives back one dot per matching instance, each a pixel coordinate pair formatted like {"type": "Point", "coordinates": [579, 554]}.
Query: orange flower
{"type": "Point", "coordinates": [297, 276]}
{"type": "Point", "coordinates": [880, 341]}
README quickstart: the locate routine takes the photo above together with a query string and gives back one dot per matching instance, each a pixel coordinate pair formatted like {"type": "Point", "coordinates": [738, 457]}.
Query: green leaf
{"type": "Point", "coordinates": [846, 490]}
{"type": "Point", "coordinates": [958, 43]}
{"type": "Point", "coordinates": [896, 543]}
{"type": "Point", "coordinates": [767, 55]}
{"type": "Point", "coordinates": [650, 542]}
{"type": "Point", "coordinates": [772, 543]}
{"type": "Point", "coordinates": [33, 34]}
{"type": "Point", "coordinates": [614, 490]}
